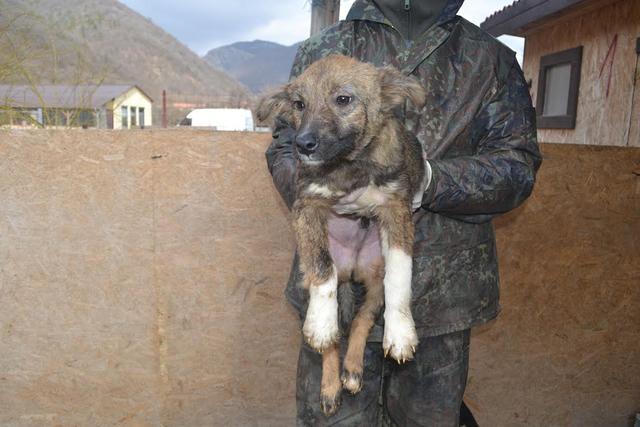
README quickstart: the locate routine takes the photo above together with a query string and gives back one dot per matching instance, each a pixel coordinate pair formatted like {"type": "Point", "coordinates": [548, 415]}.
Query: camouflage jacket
{"type": "Point", "coordinates": [478, 131]}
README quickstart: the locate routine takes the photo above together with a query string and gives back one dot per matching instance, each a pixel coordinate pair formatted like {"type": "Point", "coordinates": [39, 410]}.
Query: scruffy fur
{"type": "Point", "coordinates": [347, 137]}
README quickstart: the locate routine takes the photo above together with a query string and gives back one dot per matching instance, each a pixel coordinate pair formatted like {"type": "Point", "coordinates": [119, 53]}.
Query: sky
{"type": "Point", "coordinates": [205, 24]}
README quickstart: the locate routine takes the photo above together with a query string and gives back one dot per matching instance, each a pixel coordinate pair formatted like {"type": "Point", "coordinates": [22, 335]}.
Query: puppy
{"type": "Point", "coordinates": [348, 136]}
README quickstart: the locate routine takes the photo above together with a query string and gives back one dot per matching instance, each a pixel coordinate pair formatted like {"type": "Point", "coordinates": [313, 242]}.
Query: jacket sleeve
{"type": "Point", "coordinates": [501, 174]}
{"type": "Point", "coordinates": [281, 162]}
{"type": "Point", "coordinates": [280, 157]}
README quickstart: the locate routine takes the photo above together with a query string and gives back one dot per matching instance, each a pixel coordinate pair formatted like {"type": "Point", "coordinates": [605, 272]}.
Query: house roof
{"type": "Point", "coordinates": [521, 15]}
{"type": "Point", "coordinates": [62, 96]}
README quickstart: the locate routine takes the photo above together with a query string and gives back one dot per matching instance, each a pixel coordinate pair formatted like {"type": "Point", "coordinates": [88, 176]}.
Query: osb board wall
{"type": "Point", "coordinates": [565, 350]}
{"type": "Point", "coordinates": [141, 278]}
{"type": "Point", "coordinates": [601, 119]}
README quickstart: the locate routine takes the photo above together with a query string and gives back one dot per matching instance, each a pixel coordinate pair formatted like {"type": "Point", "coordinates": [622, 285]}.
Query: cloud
{"type": "Point", "coordinates": [345, 5]}
{"type": "Point", "coordinates": [205, 24]}
{"type": "Point", "coordinates": [284, 30]}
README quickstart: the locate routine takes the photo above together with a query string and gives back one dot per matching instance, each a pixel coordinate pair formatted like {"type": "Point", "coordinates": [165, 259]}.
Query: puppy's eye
{"type": "Point", "coordinates": [298, 105]}
{"type": "Point", "coordinates": [343, 100]}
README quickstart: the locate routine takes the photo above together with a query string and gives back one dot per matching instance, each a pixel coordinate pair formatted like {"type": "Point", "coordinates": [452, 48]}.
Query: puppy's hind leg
{"type": "Point", "coordinates": [320, 327]}
{"type": "Point", "coordinates": [330, 388]}
{"type": "Point", "coordinates": [371, 276]}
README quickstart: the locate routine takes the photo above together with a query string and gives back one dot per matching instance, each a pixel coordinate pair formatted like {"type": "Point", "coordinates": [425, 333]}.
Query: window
{"type": "Point", "coordinates": [133, 117]}
{"type": "Point", "coordinates": [558, 85]}
{"type": "Point", "coordinates": [125, 116]}
{"type": "Point", "coordinates": [141, 117]}
{"type": "Point", "coordinates": [86, 118]}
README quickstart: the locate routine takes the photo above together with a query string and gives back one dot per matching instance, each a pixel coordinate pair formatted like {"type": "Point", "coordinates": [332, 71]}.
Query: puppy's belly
{"type": "Point", "coordinates": [351, 245]}
{"type": "Point", "coordinates": [370, 253]}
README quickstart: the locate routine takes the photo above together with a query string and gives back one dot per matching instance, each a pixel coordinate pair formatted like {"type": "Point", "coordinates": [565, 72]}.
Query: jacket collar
{"type": "Point", "coordinates": [412, 55]}
{"type": "Point", "coordinates": [366, 10]}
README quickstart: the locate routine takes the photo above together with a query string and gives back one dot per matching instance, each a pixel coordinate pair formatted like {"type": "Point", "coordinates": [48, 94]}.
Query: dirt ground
{"type": "Point", "coordinates": [141, 280]}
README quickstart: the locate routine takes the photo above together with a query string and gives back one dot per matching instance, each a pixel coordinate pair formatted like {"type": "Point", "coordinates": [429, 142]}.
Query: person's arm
{"type": "Point", "coordinates": [281, 162]}
{"type": "Point", "coordinates": [502, 173]}
{"type": "Point", "coordinates": [280, 155]}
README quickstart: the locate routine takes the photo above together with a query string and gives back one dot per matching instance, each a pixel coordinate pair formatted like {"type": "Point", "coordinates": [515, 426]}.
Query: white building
{"type": "Point", "coordinates": [227, 119]}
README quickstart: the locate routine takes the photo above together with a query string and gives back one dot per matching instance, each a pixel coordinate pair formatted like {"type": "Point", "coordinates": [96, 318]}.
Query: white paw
{"type": "Point", "coordinates": [400, 338]}
{"type": "Point", "coordinates": [321, 324]}
{"type": "Point", "coordinates": [321, 329]}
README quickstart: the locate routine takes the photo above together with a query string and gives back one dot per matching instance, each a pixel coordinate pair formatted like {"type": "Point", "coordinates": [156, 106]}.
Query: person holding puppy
{"type": "Point", "coordinates": [478, 134]}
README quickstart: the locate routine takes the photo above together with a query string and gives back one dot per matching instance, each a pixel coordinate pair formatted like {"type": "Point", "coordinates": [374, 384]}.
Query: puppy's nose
{"type": "Point", "coordinates": [306, 143]}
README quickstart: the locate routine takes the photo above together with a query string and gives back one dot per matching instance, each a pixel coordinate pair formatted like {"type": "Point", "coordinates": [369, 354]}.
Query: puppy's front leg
{"type": "Point", "coordinates": [396, 235]}
{"type": "Point", "coordinates": [320, 276]}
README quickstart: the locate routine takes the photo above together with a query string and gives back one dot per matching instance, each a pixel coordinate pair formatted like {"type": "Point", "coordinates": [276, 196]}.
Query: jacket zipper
{"type": "Point", "coordinates": [407, 8]}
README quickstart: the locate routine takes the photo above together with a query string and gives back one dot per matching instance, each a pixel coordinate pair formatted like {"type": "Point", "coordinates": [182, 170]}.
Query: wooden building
{"type": "Point", "coordinates": [581, 59]}
{"type": "Point", "coordinates": [103, 106]}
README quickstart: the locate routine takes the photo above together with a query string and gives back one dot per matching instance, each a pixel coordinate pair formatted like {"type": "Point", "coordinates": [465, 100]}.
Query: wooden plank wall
{"type": "Point", "coordinates": [603, 119]}
{"type": "Point", "coordinates": [142, 275]}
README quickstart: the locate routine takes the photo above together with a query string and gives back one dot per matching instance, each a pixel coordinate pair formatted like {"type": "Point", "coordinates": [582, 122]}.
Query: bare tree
{"type": "Point", "coordinates": [34, 58]}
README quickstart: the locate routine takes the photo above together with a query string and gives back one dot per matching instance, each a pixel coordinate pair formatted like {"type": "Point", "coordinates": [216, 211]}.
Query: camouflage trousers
{"type": "Point", "coordinates": [424, 392]}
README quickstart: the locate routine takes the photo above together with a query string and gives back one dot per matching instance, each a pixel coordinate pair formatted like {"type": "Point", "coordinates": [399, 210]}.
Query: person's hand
{"type": "Point", "coordinates": [360, 200]}
{"type": "Point", "coordinates": [364, 199]}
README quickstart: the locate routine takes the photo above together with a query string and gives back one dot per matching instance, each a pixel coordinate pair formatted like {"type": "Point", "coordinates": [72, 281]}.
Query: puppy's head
{"type": "Point", "coordinates": [338, 105]}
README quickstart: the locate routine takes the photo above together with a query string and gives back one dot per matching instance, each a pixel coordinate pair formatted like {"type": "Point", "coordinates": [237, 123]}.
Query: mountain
{"type": "Point", "coordinates": [258, 64]}
{"type": "Point", "coordinates": [103, 41]}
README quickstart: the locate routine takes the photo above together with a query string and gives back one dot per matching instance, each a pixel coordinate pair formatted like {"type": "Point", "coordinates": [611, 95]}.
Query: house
{"type": "Point", "coordinates": [101, 106]}
{"type": "Point", "coordinates": [581, 60]}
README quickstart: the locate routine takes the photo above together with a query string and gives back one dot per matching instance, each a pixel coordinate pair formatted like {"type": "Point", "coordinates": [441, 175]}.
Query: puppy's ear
{"type": "Point", "coordinates": [273, 105]}
{"type": "Point", "coordinates": [396, 88]}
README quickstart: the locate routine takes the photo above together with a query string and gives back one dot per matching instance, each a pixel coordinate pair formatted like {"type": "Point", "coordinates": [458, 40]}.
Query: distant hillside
{"type": "Point", "coordinates": [103, 41]}
{"type": "Point", "coordinates": [257, 64]}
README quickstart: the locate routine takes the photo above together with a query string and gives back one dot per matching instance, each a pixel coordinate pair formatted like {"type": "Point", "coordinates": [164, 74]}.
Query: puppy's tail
{"type": "Point", "coordinates": [347, 305]}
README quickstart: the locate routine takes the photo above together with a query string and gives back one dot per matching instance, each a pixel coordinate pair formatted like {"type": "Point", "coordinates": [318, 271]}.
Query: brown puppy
{"type": "Point", "coordinates": [348, 137]}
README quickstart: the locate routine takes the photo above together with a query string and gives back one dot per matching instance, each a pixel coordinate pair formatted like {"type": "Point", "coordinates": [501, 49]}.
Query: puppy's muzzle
{"type": "Point", "coordinates": [306, 143]}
